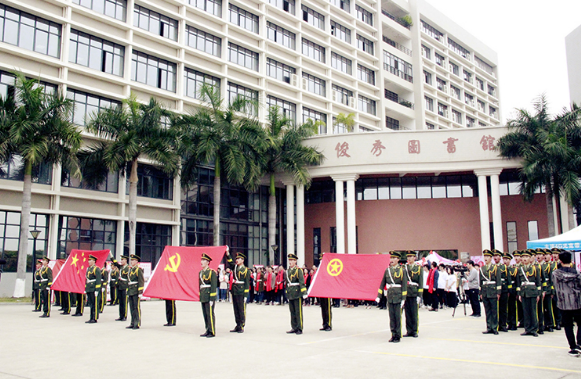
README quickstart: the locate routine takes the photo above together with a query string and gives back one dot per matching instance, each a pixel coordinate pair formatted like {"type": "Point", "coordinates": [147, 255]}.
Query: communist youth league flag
{"type": "Point", "coordinates": [177, 274]}
{"type": "Point", "coordinates": [349, 276]}
{"type": "Point", "coordinates": [71, 277]}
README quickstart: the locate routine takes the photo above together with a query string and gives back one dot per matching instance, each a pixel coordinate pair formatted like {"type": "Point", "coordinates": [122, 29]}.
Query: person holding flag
{"type": "Point", "coordinates": [102, 298]}
{"type": "Point", "coordinates": [415, 275]}
{"type": "Point", "coordinates": [134, 291]}
{"type": "Point", "coordinates": [295, 292]}
{"type": "Point", "coordinates": [122, 286]}
{"type": "Point", "coordinates": [208, 290]}
{"type": "Point", "coordinates": [45, 283]}
{"type": "Point", "coordinates": [240, 280]}
{"type": "Point", "coordinates": [92, 288]}
{"type": "Point", "coordinates": [395, 280]}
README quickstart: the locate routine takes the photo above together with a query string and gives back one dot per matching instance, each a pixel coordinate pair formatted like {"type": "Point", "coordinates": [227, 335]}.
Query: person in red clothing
{"type": "Point", "coordinates": [433, 286]}
{"type": "Point", "coordinates": [307, 278]}
{"type": "Point", "coordinates": [279, 285]}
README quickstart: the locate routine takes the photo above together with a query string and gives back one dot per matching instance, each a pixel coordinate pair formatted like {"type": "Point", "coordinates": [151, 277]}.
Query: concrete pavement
{"type": "Point", "coordinates": [66, 347]}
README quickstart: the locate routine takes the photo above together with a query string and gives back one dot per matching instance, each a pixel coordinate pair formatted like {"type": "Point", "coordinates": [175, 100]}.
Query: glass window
{"type": "Point", "coordinates": [431, 31]}
{"type": "Point", "coordinates": [533, 230]}
{"type": "Point", "coordinates": [96, 53]}
{"type": "Point", "coordinates": [391, 123]}
{"type": "Point", "coordinates": [29, 32]}
{"type": "Point", "coordinates": [288, 109]}
{"type": "Point", "coordinates": [242, 18]}
{"type": "Point", "coordinates": [440, 60]}
{"type": "Point", "coordinates": [197, 232]}
{"type": "Point", "coordinates": [455, 69]}
{"type": "Point", "coordinates": [364, 15]}
{"type": "Point", "coordinates": [235, 90]}
{"type": "Point", "coordinates": [342, 95]}
{"type": "Point", "coordinates": [343, 4]}
{"type": "Point", "coordinates": [341, 63]}
{"type": "Point", "coordinates": [313, 17]}
{"type": "Point", "coordinates": [340, 32]}
{"type": "Point", "coordinates": [408, 185]}
{"type": "Point", "coordinates": [211, 6]}
{"type": "Point", "coordinates": [426, 52]}
{"type": "Point", "coordinates": [469, 99]}
{"type": "Point", "coordinates": [456, 92]}
{"type": "Point", "coordinates": [152, 182]}
{"type": "Point", "coordinates": [153, 71]}
{"type": "Point", "coordinates": [8, 81]}
{"type": "Point", "coordinates": [10, 239]}
{"type": "Point", "coordinates": [397, 66]}
{"type": "Point", "coordinates": [429, 103]}
{"type": "Point", "coordinates": [112, 8]}
{"type": "Point", "coordinates": [243, 57]}
{"type": "Point", "coordinates": [85, 234]}
{"type": "Point", "coordinates": [365, 74]}
{"type": "Point", "coordinates": [194, 80]}
{"type": "Point", "coordinates": [456, 116]}
{"type": "Point", "coordinates": [314, 51]}
{"type": "Point", "coordinates": [203, 41]}
{"type": "Point", "coordinates": [316, 116]}
{"type": "Point", "coordinates": [279, 71]}
{"type": "Point", "coordinates": [150, 240]}
{"type": "Point", "coordinates": [367, 105]}
{"type": "Point", "coordinates": [280, 35]}
{"type": "Point", "coordinates": [155, 23]}
{"type": "Point", "coordinates": [438, 187]}
{"type": "Point", "coordinates": [470, 122]}
{"type": "Point", "coordinates": [364, 44]}
{"type": "Point", "coordinates": [480, 84]}
{"type": "Point", "coordinates": [285, 5]}
{"type": "Point", "coordinates": [441, 84]}
{"type": "Point", "coordinates": [13, 169]}
{"type": "Point", "coordinates": [314, 84]}
{"type": "Point", "coordinates": [395, 188]}
{"type": "Point", "coordinates": [454, 186]}
{"type": "Point", "coordinates": [458, 49]}
{"type": "Point", "coordinates": [424, 184]}
{"type": "Point", "coordinates": [87, 105]}
{"type": "Point", "coordinates": [511, 236]}
{"type": "Point", "coordinates": [109, 184]}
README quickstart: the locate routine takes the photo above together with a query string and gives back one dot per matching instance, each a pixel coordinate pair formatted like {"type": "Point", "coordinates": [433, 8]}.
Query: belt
{"type": "Point", "coordinates": [294, 284]}
{"type": "Point", "coordinates": [529, 284]}
{"type": "Point", "coordinates": [393, 285]}
{"type": "Point", "coordinates": [91, 280]}
{"type": "Point", "coordinates": [489, 282]}
{"type": "Point", "coordinates": [44, 280]}
{"type": "Point", "coordinates": [133, 282]}
{"type": "Point", "coordinates": [239, 282]}
{"type": "Point", "coordinates": [205, 285]}
{"type": "Point", "coordinates": [413, 284]}
{"type": "Point", "coordinates": [122, 279]}
{"type": "Point", "coordinates": [259, 280]}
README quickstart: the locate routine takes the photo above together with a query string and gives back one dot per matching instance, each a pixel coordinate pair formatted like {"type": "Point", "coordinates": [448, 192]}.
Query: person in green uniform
{"type": "Point", "coordinates": [512, 316]}
{"type": "Point", "coordinates": [122, 286]}
{"type": "Point", "coordinates": [548, 292]}
{"type": "Point", "coordinates": [555, 265]}
{"type": "Point", "coordinates": [326, 313]}
{"type": "Point", "coordinates": [170, 312]}
{"type": "Point", "coordinates": [36, 287]}
{"type": "Point", "coordinates": [519, 310]}
{"type": "Point", "coordinates": [208, 290]}
{"type": "Point", "coordinates": [538, 260]}
{"type": "Point", "coordinates": [134, 291]}
{"type": "Point", "coordinates": [505, 282]}
{"type": "Point", "coordinates": [395, 280]}
{"type": "Point", "coordinates": [114, 279]}
{"type": "Point", "coordinates": [490, 289]}
{"type": "Point", "coordinates": [415, 289]}
{"type": "Point", "coordinates": [92, 288]}
{"type": "Point", "coordinates": [44, 288]}
{"type": "Point", "coordinates": [295, 293]}
{"type": "Point", "coordinates": [102, 297]}
{"type": "Point", "coordinates": [240, 288]}
{"type": "Point", "coordinates": [529, 290]}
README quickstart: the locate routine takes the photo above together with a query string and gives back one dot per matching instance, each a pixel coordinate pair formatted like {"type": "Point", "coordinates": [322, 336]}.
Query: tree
{"type": "Point", "coordinates": [129, 132]}
{"type": "Point", "coordinates": [286, 154]}
{"type": "Point", "coordinates": [550, 151]}
{"type": "Point", "coordinates": [36, 127]}
{"type": "Point", "coordinates": [221, 135]}
{"type": "Point", "coordinates": [348, 121]}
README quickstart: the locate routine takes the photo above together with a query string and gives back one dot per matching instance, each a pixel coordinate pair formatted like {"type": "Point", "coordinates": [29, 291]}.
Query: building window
{"type": "Point", "coordinates": [420, 187]}
{"type": "Point", "coordinates": [481, 106]}
{"type": "Point", "coordinates": [491, 90]}
{"type": "Point", "coordinates": [455, 69]}
{"type": "Point", "coordinates": [430, 126]}
{"type": "Point", "coordinates": [109, 184]}
{"type": "Point", "coordinates": [341, 95]}
{"type": "Point", "coordinates": [339, 127]}
{"type": "Point", "coordinates": [152, 182]}
{"type": "Point", "coordinates": [96, 53]}
{"type": "Point", "coordinates": [8, 81]}
{"type": "Point", "coordinates": [431, 31]}
{"type": "Point", "coordinates": [10, 239]}
{"type": "Point", "coordinates": [86, 106]}
{"type": "Point", "coordinates": [480, 123]}
{"type": "Point", "coordinates": [320, 192]}
{"type": "Point", "coordinates": [427, 77]}
{"type": "Point", "coordinates": [150, 240]}
{"type": "Point", "coordinates": [429, 103]}
{"type": "Point", "coordinates": [470, 122]}
{"type": "Point", "coordinates": [243, 57]}
{"type": "Point", "coordinates": [391, 123]}
{"type": "Point", "coordinates": [390, 95]}
{"type": "Point", "coordinates": [442, 110]}
{"type": "Point", "coordinates": [511, 236]}
{"type": "Point", "coordinates": [288, 109]}
{"type": "Point", "coordinates": [397, 66]}
{"type": "Point", "coordinates": [313, 17]}
{"type": "Point", "coordinates": [314, 84]}
{"type": "Point", "coordinates": [492, 111]}
{"type": "Point", "coordinates": [533, 230]}
{"type": "Point", "coordinates": [458, 49]}
{"type": "Point", "coordinates": [480, 84]}
{"type": "Point", "coordinates": [13, 169]}
{"type": "Point", "coordinates": [197, 232]}
{"type": "Point", "coordinates": [426, 52]}
{"type": "Point", "coordinates": [341, 63]}
{"type": "Point", "coordinates": [85, 234]}
{"type": "Point", "coordinates": [341, 32]}
{"type": "Point", "coordinates": [198, 199]}
{"type": "Point", "coordinates": [469, 99]}
{"type": "Point", "coordinates": [280, 35]}
{"type": "Point", "coordinates": [279, 71]}
{"type": "Point", "coordinates": [242, 18]}
{"type": "Point", "coordinates": [440, 60]}
{"type": "Point", "coordinates": [29, 32]}
{"type": "Point", "coordinates": [317, 246]}
{"type": "Point", "coordinates": [211, 6]}
{"type": "Point", "coordinates": [194, 80]}
{"type": "Point", "coordinates": [250, 95]}
{"type": "Point", "coordinates": [310, 114]}
{"type": "Point", "coordinates": [155, 23]}
{"type": "Point", "coordinates": [285, 5]}
{"type": "Point", "coordinates": [483, 65]}
{"type": "Point", "coordinates": [203, 41]}
{"type": "Point", "coordinates": [455, 92]}
{"type": "Point", "coordinates": [367, 105]}
{"type": "Point", "coordinates": [112, 8]}
{"type": "Point", "coordinates": [364, 15]}
{"type": "Point", "coordinates": [441, 85]}
{"type": "Point", "coordinates": [343, 4]}
{"type": "Point", "coordinates": [365, 74]}
{"type": "Point", "coordinates": [364, 44]}
{"type": "Point", "coordinates": [313, 51]}
{"type": "Point", "coordinates": [456, 116]}
{"type": "Point", "coordinates": [467, 76]}
{"type": "Point", "coordinates": [153, 71]}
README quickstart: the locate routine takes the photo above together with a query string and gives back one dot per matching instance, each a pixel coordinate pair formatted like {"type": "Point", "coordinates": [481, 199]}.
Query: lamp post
{"type": "Point", "coordinates": [34, 234]}
{"type": "Point", "coordinates": [274, 248]}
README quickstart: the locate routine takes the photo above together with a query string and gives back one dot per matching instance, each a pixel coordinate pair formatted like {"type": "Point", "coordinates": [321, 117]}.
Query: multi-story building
{"type": "Point", "coordinates": [572, 43]}
{"type": "Point", "coordinates": [397, 65]}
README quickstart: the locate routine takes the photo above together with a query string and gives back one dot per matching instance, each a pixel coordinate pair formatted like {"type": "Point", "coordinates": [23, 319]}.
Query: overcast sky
{"type": "Point", "coordinates": [529, 38]}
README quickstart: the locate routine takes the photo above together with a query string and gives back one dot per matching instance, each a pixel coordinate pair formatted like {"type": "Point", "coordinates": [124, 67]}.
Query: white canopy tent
{"type": "Point", "coordinates": [570, 240]}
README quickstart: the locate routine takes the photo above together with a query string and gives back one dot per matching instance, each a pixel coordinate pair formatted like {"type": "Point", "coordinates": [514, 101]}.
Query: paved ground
{"type": "Point", "coordinates": [66, 347]}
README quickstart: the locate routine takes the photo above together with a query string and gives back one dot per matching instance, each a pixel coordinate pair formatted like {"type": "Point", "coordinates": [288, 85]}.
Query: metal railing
{"type": "Point", "coordinates": [399, 73]}
{"type": "Point", "coordinates": [397, 46]}
{"type": "Point", "coordinates": [396, 19]}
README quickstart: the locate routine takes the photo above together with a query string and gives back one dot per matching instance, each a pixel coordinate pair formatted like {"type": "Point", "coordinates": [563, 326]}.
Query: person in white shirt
{"type": "Point", "coordinates": [441, 289]}
{"type": "Point", "coordinates": [451, 288]}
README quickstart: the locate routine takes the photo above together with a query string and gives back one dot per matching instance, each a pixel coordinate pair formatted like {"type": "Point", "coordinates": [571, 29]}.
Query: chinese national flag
{"type": "Point", "coordinates": [71, 276]}
{"type": "Point", "coordinates": [349, 276]}
{"type": "Point", "coordinates": [177, 274]}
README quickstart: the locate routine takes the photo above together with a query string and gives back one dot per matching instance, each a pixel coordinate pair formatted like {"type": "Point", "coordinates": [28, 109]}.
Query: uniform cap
{"type": "Point", "coordinates": [124, 257]}
{"type": "Point", "coordinates": [292, 256]}
{"type": "Point", "coordinates": [496, 252]}
{"type": "Point", "coordinates": [136, 257]}
{"type": "Point", "coordinates": [525, 253]}
{"type": "Point", "coordinates": [507, 256]}
{"type": "Point", "coordinates": [410, 253]}
{"type": "Point", "coordinates": [45, 258]}
{"type": "Point", "coordinates": [240, 255]}
{"type": "Point", "coordinates": [394, 254]}
{"type": "Point", "coordinates": [516, 253]}
{"type": "Point", "coordinates": [487, 253]}
{"type": "Point", "coordinates": [206, 257]}
{"type": "Point", "coordinates": [92, 257]}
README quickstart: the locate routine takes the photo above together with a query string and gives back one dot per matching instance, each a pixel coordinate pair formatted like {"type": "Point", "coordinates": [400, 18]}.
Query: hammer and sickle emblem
{"type": "Point", "coordinates": [335, 267]}
{"type": "Point", "coordinates": [174, 263]}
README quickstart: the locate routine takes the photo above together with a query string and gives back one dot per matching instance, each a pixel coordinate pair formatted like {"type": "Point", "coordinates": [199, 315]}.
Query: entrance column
{"type": "Point", "coordinates": [339, 216]}
{"type": "Point", "coordinates": [351, 219]}
{"type": "Point", "coordinates": [496, 211]}
{"type": "Point", "coordinates": [483, 206]}
{"type": "Point", "coordinates": [301, 223]}
{"type": "Point", "coordinates": [290, 219]}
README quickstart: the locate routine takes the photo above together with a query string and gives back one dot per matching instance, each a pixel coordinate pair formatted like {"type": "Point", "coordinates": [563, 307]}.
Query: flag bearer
{"type": "Point", "coordinates": [240, 288]}
{"type": "Point", "coordinates": [295, 292]}
{"type": "Point", "coordinates": [92, 288]}
{"type": "Point", "coordinates": [134, 291]}
{"type": "Point", "coordinates": [415, 289]}
{"type": "Point", "coordinates": [395, 280]}
{"type": "Point", "coordinates": [208, 289]}
{"type": "Point", "coordinates": [45, 283]}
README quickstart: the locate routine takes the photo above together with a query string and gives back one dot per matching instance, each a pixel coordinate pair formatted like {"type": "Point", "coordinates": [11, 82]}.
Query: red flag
{"type": "Point", "coordinates": [177, 274]}
{"type": "Point", "coordinates": [71, 277]}
{"type": "Point", "coordinates": [349, 276]}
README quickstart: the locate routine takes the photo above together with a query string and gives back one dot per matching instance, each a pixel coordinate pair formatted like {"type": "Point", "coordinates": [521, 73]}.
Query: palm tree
{"type": "Point", "coordinates": [129, 132]}
{"type": "Point", "coordinates": [550, 151]}
{"type": "Point", "coordinates": [286, 154]}
{"type": "Point", "coordinates": [37, 128]}
{"type": "Point", "coordinates": [347, 120]}
{"type": "Point", "coordinates": [221, 135]}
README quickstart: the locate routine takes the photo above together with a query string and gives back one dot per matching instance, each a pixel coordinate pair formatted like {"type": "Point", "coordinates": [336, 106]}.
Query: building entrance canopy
{"type": "Point", "coordinates": [570, 240]}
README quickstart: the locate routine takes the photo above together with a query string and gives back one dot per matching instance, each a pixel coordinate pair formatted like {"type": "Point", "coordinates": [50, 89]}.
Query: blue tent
{"type": "Point", "coordinates": [570, 240]}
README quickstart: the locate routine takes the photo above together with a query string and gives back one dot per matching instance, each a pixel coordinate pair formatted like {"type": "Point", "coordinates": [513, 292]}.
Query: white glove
{"type": "Point", "coordinates": [212, 303]}
{"type": "Point", "coordinates": [418, 299]}
{"type": "Point", "coordinates": [377, 300]}
{"type": "Point", "coordinates": [84, 292]}
{"type": "Point", "coordinates": [246, 300]}
{"type": "Point", "coordinates": [305, 297]}
{"type": "Point", "coordinates": [96, 293]}
{"type": "Point", "coordinates": [402, 304]}
{"type": "Point", "coordinates": [227, 248]}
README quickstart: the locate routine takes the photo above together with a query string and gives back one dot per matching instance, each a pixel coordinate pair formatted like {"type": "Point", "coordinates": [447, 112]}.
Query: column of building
{"type": "Point", "coordinates": [484, 209]}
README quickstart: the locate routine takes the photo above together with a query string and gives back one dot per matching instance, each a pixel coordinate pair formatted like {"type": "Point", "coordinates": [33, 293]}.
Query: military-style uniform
{"type": "Point", "coordinates": [208, 290]}
{"type": "Point", "coordinates": [326, 313]}
{"type": "Point", "coordinates": [549, 291]}
{"type": "Point", "coordinates": [395, 280]}
{"type": "Point", "coordinates": [102, 298]}
{"type": "Point", "coordinates": [114, 279]}
{"type": "Point", "coordinates": [529, 288]}
{"type": "Point", "coordinates": [295, 291]}
{"type": "Point", "coordinates": [135, 288]}
{"type": "Point", "coordinates": [540, 313]}
{"type": "Point", "coordinates": [92, 287]}
{"type": "Point", "coordinates": [80, 300]}
{"type": "Point", "coordinates": [170, 312]}
{"type": "Point", "coordinates": [36, 290]}
{"type": "Point", "coordinates": [490, 288]}
{"type": "Point", "coordinates": [415, 288]}
{"type": "Point", "coordinates": [44, 288]}
{"type": "Point", "coordinates": [512, 317]}
{"type": "Point", "coordinates": [122, 286]}
{"type": "Point", "coordinates": [240, 288]}
{"type": "Point", "coordinates": [506, 281]}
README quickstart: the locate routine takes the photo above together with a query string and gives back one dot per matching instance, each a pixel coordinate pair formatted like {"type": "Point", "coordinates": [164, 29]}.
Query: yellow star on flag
{"type": "Point", "coordinates": [335, 267]}
{"type": "Point", "coordinates": [75, 259]}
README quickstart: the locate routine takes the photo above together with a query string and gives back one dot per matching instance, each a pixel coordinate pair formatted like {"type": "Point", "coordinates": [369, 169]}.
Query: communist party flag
{"type": "Point", "coordinates": [349, 276]}
{"type": "Point", "coordinates": [177, 274]}
{"type": "Point", "coordinates": [71, 277]}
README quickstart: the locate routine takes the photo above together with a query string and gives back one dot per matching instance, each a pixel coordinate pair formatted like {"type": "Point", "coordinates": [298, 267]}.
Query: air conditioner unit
{"type": "Point", "coordinates": [351, 102]}
{"type": "Point", "coordinates": [305, 84]}
{"type": "Point", "coordinates": [334, 95]}
{"type": "Point", "coordinates": [294, 80]}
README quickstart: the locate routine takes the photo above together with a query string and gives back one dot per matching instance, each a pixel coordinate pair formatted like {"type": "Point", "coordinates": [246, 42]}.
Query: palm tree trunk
{"type": "Point", "coordinates": [133, 179]}
{"type": "Point", "coordinates": [271, 219]}
{"type": "Point", "coordinates": [217, 203]}
{"type": "Point", "coordinates": [20, 285]}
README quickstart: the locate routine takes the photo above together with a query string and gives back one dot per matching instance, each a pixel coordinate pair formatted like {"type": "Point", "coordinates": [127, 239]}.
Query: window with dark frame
{"type": "Point", "coordinates": [242, 57]}
{"type": "Point", "coordinates": [194, 80]}
{"type": "Point", "coordinates": [313, 51]}
{"type": "Point", "coordinates": [96, 53]}
{"type": "Point", "coordinates": [203, 41]}
{"type": "Point", "coordinates": [243, 18]}
{"type": "Point", "coordinates": [340, 31]}
{"type": "Point", "coordinates": [280, 35]}
{"type": "Point", "coordinates": [364, 44]}
{"type": "Point", "coordinates": [153, 71]}
{"type": "Point", "coordinates": [288, 109]}
{"type": "Point", "coordinates": [279, 71]}
{"type": "Point", "coordinates": [155, 23]}
{"type": "Point", "coordinates": [236, 90]}
{"type": "Point", "coordinates": [313, 17]}
{"type": "Point", "coordinates": [116, 9]}
{"type": "Point", "coordinates": [211, 6]}
{"type": "Point", "coordinates": [341, 63]}
{"type": "Point", "coordinates": [364, 15]}
{"type": "Point", "coordinates": [314, 84]}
